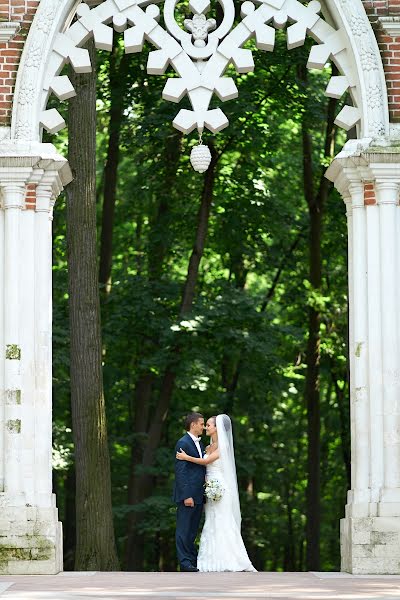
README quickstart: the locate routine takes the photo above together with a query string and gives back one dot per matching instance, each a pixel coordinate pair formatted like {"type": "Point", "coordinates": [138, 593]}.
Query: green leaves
{"type": "Point", "coordinates": [242, 348]}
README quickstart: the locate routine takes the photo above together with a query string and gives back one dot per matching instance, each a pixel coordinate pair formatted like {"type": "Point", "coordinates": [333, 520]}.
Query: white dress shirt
{"type": "Point", "coordinates": [197, 444]}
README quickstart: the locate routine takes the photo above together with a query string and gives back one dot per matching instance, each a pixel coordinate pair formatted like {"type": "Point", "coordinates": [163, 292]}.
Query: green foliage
{"type": "Point", "coordinates": [242, 348]}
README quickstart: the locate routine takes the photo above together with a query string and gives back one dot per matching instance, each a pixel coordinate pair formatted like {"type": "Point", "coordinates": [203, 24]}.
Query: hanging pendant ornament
{"type": "Point", "coordinates": [200, 156]}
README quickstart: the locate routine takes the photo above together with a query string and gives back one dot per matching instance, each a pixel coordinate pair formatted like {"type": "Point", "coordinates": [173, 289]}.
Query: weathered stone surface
{"type": "Point", "coordinates": [370, 545]}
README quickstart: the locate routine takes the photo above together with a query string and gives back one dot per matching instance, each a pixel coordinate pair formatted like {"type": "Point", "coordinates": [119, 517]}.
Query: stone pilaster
{"type": "Point", "coordinates": [370, 531]}
{"type": "Point", "coordinates": [30, 533]}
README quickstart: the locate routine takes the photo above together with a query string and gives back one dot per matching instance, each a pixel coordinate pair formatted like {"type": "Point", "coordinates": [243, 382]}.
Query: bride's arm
{"type": "Point", "coordinates": [199, 461]}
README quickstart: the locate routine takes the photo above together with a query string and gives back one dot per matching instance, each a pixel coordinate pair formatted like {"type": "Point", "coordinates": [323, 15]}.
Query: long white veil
{"type": "Point", "coordinates": [227, 457]}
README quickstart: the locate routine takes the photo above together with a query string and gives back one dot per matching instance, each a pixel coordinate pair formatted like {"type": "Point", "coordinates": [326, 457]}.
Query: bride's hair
{"type": "Point", "coordinates": [214, 418]}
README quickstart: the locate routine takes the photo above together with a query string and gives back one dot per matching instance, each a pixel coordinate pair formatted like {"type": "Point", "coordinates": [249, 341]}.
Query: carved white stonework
{"type": "Point", "coordinates": [8, 30]}
{"type": "Point", "coordinates": [5, 133]}
{"type": "Point", "coordinates": [391, 25]}
{"type": "Point", "coordinates": [30, 533]}
{"type": "Point", "coordinates": [200, 157]}
{"type": "Point", "coordinates": [369, 66]}
{"type": "Point", "coordinates": [199, 52]}
{"type": "Point", "coordinates": [370, 531]}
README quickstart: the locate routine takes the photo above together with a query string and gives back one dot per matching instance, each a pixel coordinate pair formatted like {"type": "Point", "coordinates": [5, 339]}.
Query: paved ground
{"type": "Point", "coordinates": [195, 586]}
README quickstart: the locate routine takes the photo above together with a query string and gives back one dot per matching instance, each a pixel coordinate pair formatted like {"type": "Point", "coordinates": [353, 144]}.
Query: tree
{"type": "Point", "coordinates": [94, 521]}
{"type": "Point", "coordinates": [316, 196]}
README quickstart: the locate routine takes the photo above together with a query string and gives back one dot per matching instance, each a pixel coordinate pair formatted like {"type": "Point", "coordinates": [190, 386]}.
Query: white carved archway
{"type": "Point", "coordinates": [53, 41]}
{"type": "Point", "coordinates": [371, 530]}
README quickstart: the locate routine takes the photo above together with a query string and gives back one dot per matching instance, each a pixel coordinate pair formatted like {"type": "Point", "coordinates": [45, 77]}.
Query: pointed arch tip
{"type": "Point", "coordinates": [60, 43]}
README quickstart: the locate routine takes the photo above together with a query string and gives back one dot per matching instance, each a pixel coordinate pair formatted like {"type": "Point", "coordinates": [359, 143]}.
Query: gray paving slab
{"type": "Point", "coordinates": [195, 586]}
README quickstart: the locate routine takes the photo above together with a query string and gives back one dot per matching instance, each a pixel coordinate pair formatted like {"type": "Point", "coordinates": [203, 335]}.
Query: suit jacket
{"type": "Point", "coordinates": [189, 477]}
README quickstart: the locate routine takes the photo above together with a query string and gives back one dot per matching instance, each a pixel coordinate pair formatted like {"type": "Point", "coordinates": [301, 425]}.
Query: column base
{"type": "Point", "coordinates": [30, 539]}
{"type": "Point", "coordinates": [370, 545]}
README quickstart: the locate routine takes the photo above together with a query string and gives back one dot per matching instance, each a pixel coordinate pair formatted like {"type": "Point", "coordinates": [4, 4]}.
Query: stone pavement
{"type": "Point", "coordinates": [197, 586]}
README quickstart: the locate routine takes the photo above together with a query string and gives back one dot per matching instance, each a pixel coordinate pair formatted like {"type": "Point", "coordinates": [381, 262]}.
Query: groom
{"type": "Point", "coordinates": [188, 492]}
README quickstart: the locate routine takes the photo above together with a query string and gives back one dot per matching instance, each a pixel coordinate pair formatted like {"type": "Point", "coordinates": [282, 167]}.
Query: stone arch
{"type": "Point", "coordinates": [366, 173]}
{"type": "Point", "coordinates": [52, 42]}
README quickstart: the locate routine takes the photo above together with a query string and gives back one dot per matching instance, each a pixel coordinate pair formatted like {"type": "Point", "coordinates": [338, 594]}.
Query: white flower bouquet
{"type": "Point", "coordinates": [213, 490]}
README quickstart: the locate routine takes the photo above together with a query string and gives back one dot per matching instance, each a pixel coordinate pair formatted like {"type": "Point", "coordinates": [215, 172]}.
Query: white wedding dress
{"type": "Point", "coordinates": [221, 544]}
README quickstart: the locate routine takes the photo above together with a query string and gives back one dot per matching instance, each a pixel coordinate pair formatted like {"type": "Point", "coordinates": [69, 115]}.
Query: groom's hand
{"type": "Point", "coordinates": [189, 502]}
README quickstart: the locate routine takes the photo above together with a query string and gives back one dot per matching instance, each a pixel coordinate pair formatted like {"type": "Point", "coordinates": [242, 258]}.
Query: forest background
{"type": "Point", "coordinates": [222, 292]}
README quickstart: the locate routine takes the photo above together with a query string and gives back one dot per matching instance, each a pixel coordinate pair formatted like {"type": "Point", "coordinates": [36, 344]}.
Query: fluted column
{"type": "Point", "coordinates": [373, 301]}
{"type": "Point", "coordinates": [370, 531]}
{"type": "Point", "coordinates": [350, 256]}
{"type": "Point", "coordinates": [359, 349]}
{"type": "Point", "coordinates": [2, 348]}
{"type": "Point", "coordinates": [43, 323]}
{"type": "Point", "coordinates": [31, 177]}
{"type": "Point", "coordinates": [13, 196]}
{"type": "Point", "coordinates": [387, 192]}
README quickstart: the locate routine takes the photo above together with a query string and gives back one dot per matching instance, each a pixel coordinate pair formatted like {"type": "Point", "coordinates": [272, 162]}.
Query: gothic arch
{"type": "Point", "coordinates": [349, 41]}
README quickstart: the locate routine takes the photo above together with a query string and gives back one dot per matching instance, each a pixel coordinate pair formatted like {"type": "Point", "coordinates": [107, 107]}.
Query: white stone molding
{"type": "Point", "coordinates": [5, 133]}
{"type": "Point", "coordinates": [369, 68]}
{"type": "Point", "coordinates": [29, 519]}
{"type": "Point", "coordinates": [370, 531]}
{"type": "Point", "coordinates": [8, 30]}
{"type": "Point", "coordinates": [43, 325]}
{"type": "Point", "coordinates": [387, 190]}
{"type": "Point", "coordinates": [13, 198]}
{"type": "Point", "coordinates": [375, 368]}
{"type": "Point", "coordinates": [390, 25]}
{"type": "Point", "coordinates": [199, 56]}
{"type": "Point", "coordinates": [359, 349]}
{"type": "Point", "coordinates": [2, 347]}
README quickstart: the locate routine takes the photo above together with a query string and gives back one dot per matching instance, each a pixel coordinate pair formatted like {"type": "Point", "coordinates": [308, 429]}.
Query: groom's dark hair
{"type": "Point", "coordinates": [192, 418]}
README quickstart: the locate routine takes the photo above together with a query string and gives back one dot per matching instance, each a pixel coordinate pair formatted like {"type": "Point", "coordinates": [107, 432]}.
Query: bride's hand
{"type": "Point", "coordinates": [181, 455]}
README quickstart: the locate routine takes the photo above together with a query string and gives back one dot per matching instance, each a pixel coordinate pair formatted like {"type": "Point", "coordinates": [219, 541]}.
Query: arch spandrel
{"type": "Point", "coordinates": [346, 37]}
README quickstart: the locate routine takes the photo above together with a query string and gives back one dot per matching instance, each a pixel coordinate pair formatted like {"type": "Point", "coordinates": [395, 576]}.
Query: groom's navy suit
{"type": "Point", "coordinates": [189, 483]}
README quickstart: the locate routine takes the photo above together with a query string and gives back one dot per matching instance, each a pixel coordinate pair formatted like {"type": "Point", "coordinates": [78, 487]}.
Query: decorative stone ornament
{"type": "Point", "coordinates": [200, 157]}
{"type": "Point", "coordinates": [8, 30]}
{"type": "Point", "coordinates": [199, 51]}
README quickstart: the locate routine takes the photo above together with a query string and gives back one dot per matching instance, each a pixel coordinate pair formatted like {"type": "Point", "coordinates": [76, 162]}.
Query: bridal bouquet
{"type": "Point", "coordinates": [213, 490]}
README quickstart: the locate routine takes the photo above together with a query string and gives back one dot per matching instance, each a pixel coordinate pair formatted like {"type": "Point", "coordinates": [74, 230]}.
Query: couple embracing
{"type": "Point", "coordinates": [210, 472]}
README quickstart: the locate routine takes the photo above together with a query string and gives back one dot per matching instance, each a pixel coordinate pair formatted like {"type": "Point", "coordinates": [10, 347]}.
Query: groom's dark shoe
{"type": "Point", "coordinates": [190, 569]}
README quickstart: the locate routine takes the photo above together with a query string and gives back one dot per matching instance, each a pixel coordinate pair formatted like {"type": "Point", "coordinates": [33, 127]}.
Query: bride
{"type": "Point", "coordinates": [221, 545]}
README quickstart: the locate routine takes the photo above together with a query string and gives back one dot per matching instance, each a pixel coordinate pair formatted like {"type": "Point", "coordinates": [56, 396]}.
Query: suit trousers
{"type": "Point", "coordinates": [187, 526]}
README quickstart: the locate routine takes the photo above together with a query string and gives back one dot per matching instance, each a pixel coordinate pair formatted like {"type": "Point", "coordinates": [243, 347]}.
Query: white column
{"type": "Point", "coordinates": [13, 195]}
{"type": "Point", "coordinates": [43, 323]}
{"type": "Point", "coordinates": [27, 336]}
{"type": "Point", "coordinates": [387, 196]}
{"type": "Point", "coordinates": [359, 351]}
{"type": "Point", "coordinates": [349, 214]}
{"type": "Point", "coordinates": [2, 349]}
{"type": "Point", "coordinates": [375, 352]}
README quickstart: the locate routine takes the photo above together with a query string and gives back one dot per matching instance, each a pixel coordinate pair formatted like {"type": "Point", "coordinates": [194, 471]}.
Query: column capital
{"type": "Point", "coordinates": [387, 191]}
{"type": "Point", "coordinates": [13, 194]}
{"type": "Point", "coordinates": [44, 197]}
{"type": "Point", "coordinates": [365, 161]}
{"type": "Point", "coordinates": [355, 191]}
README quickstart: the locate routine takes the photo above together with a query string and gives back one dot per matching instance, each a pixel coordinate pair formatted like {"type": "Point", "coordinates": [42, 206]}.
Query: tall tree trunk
{"type": "Point", "coordinates": [111, 167]}
{"type": "Point", "coordinates": [69, 529]}
{"type": "Point", "coordinates": [344, 427]}
{"type": "Point", "coordinates": [316, 201]}
{"type": "Point", "coordinates": [290, 548]}
{"type": "Point", "coordinates": [312, 396]}
{"type": "Point", "coordinates": [141, 483]}
{"type": "Point", "coordinates": [95, 549]}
